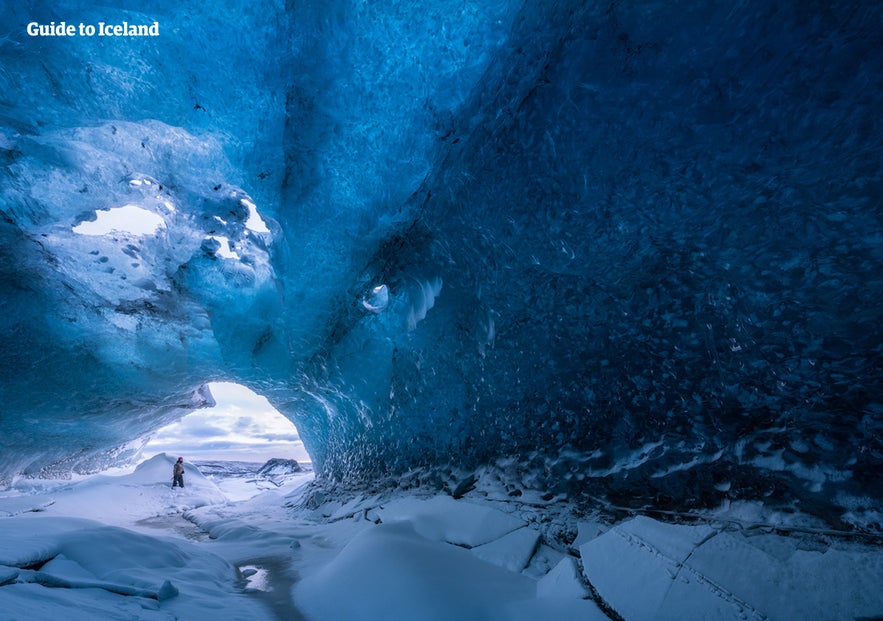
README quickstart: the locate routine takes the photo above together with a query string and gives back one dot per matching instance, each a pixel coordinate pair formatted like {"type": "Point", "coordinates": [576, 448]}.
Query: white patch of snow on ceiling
{"type": "Point", "coordinates": [126, 219]}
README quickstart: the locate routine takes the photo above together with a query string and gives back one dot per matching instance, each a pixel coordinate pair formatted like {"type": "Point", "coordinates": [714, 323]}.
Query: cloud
{"type": "Point", "coordinates": [204, 431]}
{"type": "Point", "coordinates": [279, 437]}
{"type": "Point", "coordinates": [244, 422]}
{"type": "Point", "coordinates": [242, 426]}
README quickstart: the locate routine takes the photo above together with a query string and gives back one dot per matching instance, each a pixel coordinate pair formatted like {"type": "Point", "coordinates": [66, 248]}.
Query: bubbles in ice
{"type": "Point", "coordinates": [377, 299]}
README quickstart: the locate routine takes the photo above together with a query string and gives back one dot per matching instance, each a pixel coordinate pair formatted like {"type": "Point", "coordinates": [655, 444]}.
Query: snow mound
{"type": "Point", "coordinates": [393, 573]}
{"type": "Point", "coordinates": [81, 569]}
{"type": "Point", "coordinates": [123, 500]}
{"type": "Point", "coordinates": [441, 518]}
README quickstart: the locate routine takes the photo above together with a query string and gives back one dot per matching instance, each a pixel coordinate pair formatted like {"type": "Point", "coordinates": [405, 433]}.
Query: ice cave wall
{"type": "Point", "coordinates": [653, 232]}
{"type": "Point", "coordinates": [266, 141]}
{"type": "Point", "coordinates": [105, 337]}
{"type": "Point", "coordinates": [614, 239]}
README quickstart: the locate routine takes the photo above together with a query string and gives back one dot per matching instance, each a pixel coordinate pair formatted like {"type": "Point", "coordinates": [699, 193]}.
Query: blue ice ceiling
{"type": "Point", "coordinates": [637, 245]}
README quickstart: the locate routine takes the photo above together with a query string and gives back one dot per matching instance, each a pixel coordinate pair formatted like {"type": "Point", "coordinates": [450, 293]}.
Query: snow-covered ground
{"type": "Point", "coordinates": [235, 545]}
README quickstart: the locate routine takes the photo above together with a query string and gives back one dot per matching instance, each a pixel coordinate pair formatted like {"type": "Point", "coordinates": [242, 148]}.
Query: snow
{"type": "Point", "coordinates": [127, 546]}
{"type": "Point", "coordinates": [146, 492]}
{"type": "Point", "coordinates": [442, 518]}
{"type": "Point", "coordinates": [94, 567]}
{"type": "Point", "coordinates": [433, 581]}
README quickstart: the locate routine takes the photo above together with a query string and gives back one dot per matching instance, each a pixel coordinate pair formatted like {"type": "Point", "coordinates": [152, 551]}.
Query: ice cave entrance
{"type": "Point", "coordinates": [242, 426]}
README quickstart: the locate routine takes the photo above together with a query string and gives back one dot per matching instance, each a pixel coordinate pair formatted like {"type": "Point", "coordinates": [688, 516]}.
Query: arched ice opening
{"type": "Point", "coordinates": [242, 426]}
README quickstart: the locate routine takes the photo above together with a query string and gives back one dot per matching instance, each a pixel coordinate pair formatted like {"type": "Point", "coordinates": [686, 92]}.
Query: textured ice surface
{"type": "Point", "coordinates": [636, 245]}
{"type": "Point", "coordinates": [646, 569]}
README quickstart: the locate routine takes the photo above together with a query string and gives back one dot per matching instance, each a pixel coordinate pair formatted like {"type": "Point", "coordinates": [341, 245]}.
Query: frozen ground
{"type": "Point", "coordinates": [233, 545]}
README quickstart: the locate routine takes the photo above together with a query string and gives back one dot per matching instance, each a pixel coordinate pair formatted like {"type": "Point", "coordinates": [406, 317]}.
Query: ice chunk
{"type": "Point", "coordinates": [563, 581]}
{"type": "Point", "coordinates": [68, 569]}
{"type": "Point", "coordinates": [586, 531]}
{"type": "Point", "coordinates": [511, 551]}
{"type": "Point", "coordinates": [646, 569]}
{"type": "Point", "coordinates": [634, 565]}
{"type": "Point", "coordinates": [782, 579]}
{"type": "Point", "coordinates": [377, 299]}
{"type": "Point", "coordinates": [100, 567]}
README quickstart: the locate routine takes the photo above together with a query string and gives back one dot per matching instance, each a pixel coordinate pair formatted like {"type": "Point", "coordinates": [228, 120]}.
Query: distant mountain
{"type": "Point", "coordinates": [279, 467]}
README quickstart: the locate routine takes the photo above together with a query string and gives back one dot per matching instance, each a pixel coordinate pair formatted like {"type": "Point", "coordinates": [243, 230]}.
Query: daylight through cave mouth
{"type": "Point", "coordinates": [241, 426]}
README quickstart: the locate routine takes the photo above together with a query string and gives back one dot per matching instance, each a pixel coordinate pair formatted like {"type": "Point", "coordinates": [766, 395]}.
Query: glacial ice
{"type": "Point", "coordinates": [634, 248]}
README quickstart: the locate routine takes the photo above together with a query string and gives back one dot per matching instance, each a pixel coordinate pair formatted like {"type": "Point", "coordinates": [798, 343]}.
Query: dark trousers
{"type": "Point", "coordinates": [178, 479]}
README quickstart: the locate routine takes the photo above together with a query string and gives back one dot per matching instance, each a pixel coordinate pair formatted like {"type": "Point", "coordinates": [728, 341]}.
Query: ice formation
{"type": "Point", "coordinates": [634, 248]}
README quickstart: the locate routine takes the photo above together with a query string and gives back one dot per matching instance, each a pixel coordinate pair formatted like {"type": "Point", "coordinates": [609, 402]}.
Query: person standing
{"type": "Point", "coordinates": [178, 473]}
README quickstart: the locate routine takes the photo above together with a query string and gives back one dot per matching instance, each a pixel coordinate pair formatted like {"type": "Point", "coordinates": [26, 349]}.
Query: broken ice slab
{"type": "Point", "coordinates": [511, 551]}
{"type": "Point", "coordinates": [553, 608]}
{"type": "Point", "coordinates": [644, 569]}
{"type": "Point", "coordinates": [633, 565]}
{"type": "Point", "coordinates": [563, 581]}
{"type": "Point", "coordinates": [586, 531]}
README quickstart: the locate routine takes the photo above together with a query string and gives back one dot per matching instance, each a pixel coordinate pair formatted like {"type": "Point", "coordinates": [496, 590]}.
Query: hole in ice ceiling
{"type": "Point", "coordinates": [242, 426]}
{"type": "Point", "coordinates": [254, 222]}
{"type": "Point", "coordinates": [218, 245]}
{"type": "Point", "coordinates": [126, 219]}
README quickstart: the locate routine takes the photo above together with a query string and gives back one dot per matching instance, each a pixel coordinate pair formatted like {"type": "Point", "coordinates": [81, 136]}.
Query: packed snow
{"type": "Point", "coordinates": [246, 541]}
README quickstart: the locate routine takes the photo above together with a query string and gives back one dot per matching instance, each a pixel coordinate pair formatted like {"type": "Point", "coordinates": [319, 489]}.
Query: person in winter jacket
{"type": "Point", "coordinates": [178, 473]}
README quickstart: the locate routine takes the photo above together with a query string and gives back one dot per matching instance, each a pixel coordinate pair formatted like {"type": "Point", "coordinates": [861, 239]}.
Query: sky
{"type": "Point", "coordinates": [243, 426]}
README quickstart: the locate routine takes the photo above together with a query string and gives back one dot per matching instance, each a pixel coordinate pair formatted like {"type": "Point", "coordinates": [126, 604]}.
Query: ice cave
{"type": "Point", "coordinates": [611, 259]}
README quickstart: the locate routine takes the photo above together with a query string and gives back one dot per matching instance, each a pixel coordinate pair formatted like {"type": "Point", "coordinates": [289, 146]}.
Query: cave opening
{"type": "Point", "coordinates": [241, 426]}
